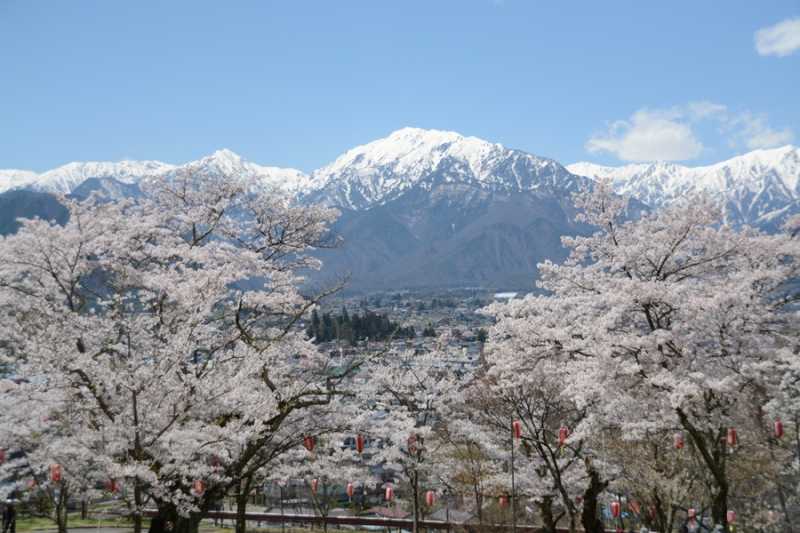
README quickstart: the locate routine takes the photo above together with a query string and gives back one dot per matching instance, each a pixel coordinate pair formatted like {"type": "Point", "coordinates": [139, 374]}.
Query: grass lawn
{"type": "Point", "coordinates": [29, 523]}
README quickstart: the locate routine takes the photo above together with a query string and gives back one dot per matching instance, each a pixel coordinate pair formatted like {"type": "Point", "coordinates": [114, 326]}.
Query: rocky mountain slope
{"type": "Point", "coordinates": [428, 208]}
{"type": "Point", "coordinates": [760, 188]}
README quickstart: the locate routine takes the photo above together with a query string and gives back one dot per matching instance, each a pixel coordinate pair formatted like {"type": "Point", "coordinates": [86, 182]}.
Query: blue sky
{"type": "Point", "coordinates": [295, 83]}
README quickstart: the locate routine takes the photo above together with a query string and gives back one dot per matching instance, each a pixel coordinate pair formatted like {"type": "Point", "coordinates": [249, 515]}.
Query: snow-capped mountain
{"type": "Point", "coordinates": [229, 164]}
{"type": "Point", "coordinates": [12, 178]}
{"type": "Point", "coordinates": [383, 170]}
{"type": "Point", "coordinates": [759, 188]}
{"type": "Point", "coordinates": [65, 179]}
{"type": "Point", "coordinates": [436, 208]}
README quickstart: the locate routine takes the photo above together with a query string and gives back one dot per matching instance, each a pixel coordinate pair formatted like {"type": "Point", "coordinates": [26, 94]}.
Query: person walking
{"type": "Point", "coordinates": [10, 518]}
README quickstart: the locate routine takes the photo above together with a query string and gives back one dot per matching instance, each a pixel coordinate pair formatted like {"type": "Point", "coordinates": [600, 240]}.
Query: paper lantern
{"type": "Point", "coordinates": [359, 443]}
{"type": "Point", "coordinates": [634, 507]}
{"type": "Point", "coordinates": [308, 442]}
{"type": "Point", "coordinates": [563, 433]}
{"type": "Point", "coordinates": [615, 509]}
{"type": "Point", "coordinates": [678, 440]}
{"type": "Point", "coordinates": [778, 430]}
{"type": "Point", "coordinates": [731, 516]}
{"type": "Point", "coordinates": [314, 486]}
{"type": "Point", "coordinates": [389, 494]}
{"type": "Point", "coordinates": [31, 483]}
{"type": "Point", "coordinates": [350, 490]}
{"type": "Point", "coordinates": [692, 513]}
{"type": "Point", "coordinates": [55, 473]}
{"type": "Point", "coordinates": [412, 444]}
{"type": "Point", "coordinates": [732, 437]}
{"type": "Point", "coordinates": [112, 486]}
{"type": "Point", "coordinates": [503, 501]}
{"type": "Point", "coordinates": [430, 498]}
{"type": "Point", "coordinates": [516, 429]}
{"type": "Point", "coordinates": [2, 456]}
{"type": "Point", "coordinates": [198, 487]}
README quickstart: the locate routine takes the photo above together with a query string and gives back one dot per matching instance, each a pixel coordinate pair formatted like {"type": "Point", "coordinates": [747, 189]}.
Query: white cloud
{"type": "Point", "coordinates": [756, 133]}
{"type": "Point", "coordinates": [669, 134]}
{"type": "Point", "coordinates": [648, 136]}
{"type": "Point", "coordinates": [779, 40]}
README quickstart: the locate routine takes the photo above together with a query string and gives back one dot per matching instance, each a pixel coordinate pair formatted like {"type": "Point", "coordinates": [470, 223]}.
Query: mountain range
{"type": "Point", "coordinates": [428, 208]}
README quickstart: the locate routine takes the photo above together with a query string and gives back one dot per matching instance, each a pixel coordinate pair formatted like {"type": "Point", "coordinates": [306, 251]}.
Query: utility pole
{"type": "Point", "coordinates": [513, 483]}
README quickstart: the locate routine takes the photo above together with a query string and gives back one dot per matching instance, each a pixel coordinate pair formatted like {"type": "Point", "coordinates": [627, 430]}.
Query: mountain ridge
{"type": "Point", "coordinates": [430, 208]}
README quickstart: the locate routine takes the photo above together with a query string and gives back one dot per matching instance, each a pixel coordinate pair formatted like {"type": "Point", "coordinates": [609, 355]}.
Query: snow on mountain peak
{"type": "Point", "coordinates": [11, 178]}
{"type": "Point", "coordinates": [755, 186]}
{"type": "Point", "coordinates": [375, 172]}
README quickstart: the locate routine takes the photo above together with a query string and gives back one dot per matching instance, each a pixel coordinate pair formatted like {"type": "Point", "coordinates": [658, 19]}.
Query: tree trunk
{"type": "Point", "coordinates": [84, 509]}
{"type": "Point", "coordinates": [61, 518]}
{"type": "Point", "coordinates": [719, 505]}
{"type": "Point", "coordinates": [415, 491]}
{"type": "Point", "coordinates": [137, 510]}
{"type": "Point", "coordinates": [546, 514]}
{"type": "Point", "coordinates": [713, 450]}
{"type": "Point", "coordinates": [781, 490]}
{"type": "Point", "coordinates": [589, 515]}
{"type": "Point", "coordinates": [479, 504]}
{"type": "Point", "coordinates": [60, 510]}
{"type": "Point", "coordinates": [241, 503]}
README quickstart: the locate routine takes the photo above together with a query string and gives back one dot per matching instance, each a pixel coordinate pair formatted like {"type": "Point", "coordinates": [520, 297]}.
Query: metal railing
{"type": "Point", "coordinates": [397, 523]}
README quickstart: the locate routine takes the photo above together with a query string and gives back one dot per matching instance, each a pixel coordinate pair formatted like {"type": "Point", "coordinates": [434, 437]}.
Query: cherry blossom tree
{"type": "Point", "coordinates": [49, 460]}
{"type": "Point", "coordinates": [167, 324]}
{"type": "Point", "coordinates": [404, 397]}
{"type": "Point", "coordinates": [673, 322]}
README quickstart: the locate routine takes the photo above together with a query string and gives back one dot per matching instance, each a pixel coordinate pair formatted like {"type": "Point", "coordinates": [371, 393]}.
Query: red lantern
{"type": "Point", "coordinates": [412, 444]}
{"type": "Point", "coordinates": [731, 516]}
{"type": "Point", "coordinates": [430, 498]}
{"type": "Point", "coordinates": [563, 433]}
{"type": "Point", "coordinates": [314, 486]}
{"type": "Point", "coordinates": [389, 493]}
{"type": "Point", "coordinates": [692, 514]}
{"type": "Point", "coordinates": [634, 507]}
{"type": "Point", "coordinates": [516, 429]}
{"type": "Point", "coordinates": [308, 442]}
{"type": "Point", "coordinates": [615, 509]}
{"type": "Point", "coordinates": [732, 438]}
{"type": "Point", "coordinates": [678, 440]}
{"type": "Point", "coordinates": [112, 486]}
{"type": "Point", "coordinates": [2, 456]}
{"type": "Point", "coordinates": [198, 487]}
{"type": "Point", "coordinates": [503, 501]}
{"type": "Point", "coordinates": [778, 430]}
{"type": "Point", "coordinates": [359, 443]}
{"type": "Point", "coordinates": [350, 490]}
{"type": "Point", "coordinates": [55, 473]}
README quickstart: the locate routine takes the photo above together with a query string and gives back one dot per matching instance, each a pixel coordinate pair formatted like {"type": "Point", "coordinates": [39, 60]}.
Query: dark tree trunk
{"type": "Point", "coordinates": [84, 509]}
{"type": "Point", "coordinates": [173, 522]}
{"type": "Point", "coordinates": [241, 503]}
{"type": "Point", "coordinates": [546, 513]}
{"type": "Point", "coordinates": [589, 515]}
{"type": "Point", "coordinates": [415, 491]}
{"type": "Point", "coordinates": [713, 450]}
{"type": "Point", "coordinates": [137, 500]}
{"type": "Point", "coordinates": [60, 508]}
